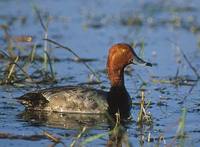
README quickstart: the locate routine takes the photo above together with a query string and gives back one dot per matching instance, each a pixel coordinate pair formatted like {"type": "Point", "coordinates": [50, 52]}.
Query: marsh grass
{"type": "Point", "coordinates": [178, 79]}
{"type": "Point", "coordinates": [117, 135]}
{"type": "Point", "coordinates": [16, 70]}
{"type": "Point", "coordinates": [180, 136]}
{"type": "Point", "coordinates": [21, 137]}
{"type": "Point", "coordinates": [53, 138]}
{"type": "Point", "coordinates": [77, 56]}
{"type": "Point", "coordinates": [73, 144]}
{"type": "Point", "coordinates": [45, 29]}
{"type": "Point", "coordinates": [47, 56]}
{"type": "Point", "coordinates": [37, 137]}
{"type": "Point", "coordinates": [144, 117]}
{"type": "Point", "coordinates": [10, 70]}
{"type": "Point", "coordinates": [180, 133]}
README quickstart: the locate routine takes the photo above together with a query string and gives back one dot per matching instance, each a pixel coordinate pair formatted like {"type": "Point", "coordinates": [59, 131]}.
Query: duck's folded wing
{"type": "Point", "coordinates": [67, 99]}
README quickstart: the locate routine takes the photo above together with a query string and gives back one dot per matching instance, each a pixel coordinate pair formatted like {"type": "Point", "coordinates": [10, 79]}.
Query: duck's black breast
{"type": "Point", "coordinates": [119, 101]}
{"type": "Point", "coordinates": [72, 99]}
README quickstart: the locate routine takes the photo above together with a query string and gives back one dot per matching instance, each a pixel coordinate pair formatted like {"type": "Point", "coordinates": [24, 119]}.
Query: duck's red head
{"type": "Point", "coordinates": [120, 55]}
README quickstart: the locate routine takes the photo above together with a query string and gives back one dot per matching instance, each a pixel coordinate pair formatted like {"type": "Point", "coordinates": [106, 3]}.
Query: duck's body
{"type": "Point", "coordinates": [71, 99]}
{"type": "Point", "coordinates": [78, 99]}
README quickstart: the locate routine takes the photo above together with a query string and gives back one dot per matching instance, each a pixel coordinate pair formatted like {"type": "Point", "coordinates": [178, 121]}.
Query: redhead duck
{"type": "Point", "coordinates": [82, 99]}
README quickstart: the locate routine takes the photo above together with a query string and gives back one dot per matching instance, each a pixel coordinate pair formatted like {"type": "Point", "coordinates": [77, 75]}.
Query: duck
{"type": "Point", "coordinates": [87, 100]}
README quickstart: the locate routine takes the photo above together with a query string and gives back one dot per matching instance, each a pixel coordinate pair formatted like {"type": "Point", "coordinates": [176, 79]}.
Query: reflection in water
{"type": "Point", "coordinates": [63, 120]}
{"type": "Point", "coordinates": [117, 135]}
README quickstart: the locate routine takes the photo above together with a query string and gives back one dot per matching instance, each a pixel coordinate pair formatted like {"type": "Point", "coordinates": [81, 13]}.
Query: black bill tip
{"type": "Point", "coordinates": [149, 64]}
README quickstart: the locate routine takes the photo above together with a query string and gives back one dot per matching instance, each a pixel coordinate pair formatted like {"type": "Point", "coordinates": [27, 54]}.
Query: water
{"type": "Point", "coordinates": [90, 28]}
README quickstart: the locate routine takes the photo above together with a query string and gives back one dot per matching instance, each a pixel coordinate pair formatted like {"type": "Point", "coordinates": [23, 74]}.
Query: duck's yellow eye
{"type": "Point", "coordinates": [123, 50]}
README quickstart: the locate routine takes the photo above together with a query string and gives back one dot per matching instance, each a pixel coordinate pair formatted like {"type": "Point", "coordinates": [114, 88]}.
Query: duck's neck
{"type": "Point", "coordinates": [118, 99]}
{"type": "Point", "coordinates": [116, 77]}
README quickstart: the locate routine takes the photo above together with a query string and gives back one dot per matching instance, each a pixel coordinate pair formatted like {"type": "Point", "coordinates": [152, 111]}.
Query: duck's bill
{"type": "Point", "coordinates": [139, 61]}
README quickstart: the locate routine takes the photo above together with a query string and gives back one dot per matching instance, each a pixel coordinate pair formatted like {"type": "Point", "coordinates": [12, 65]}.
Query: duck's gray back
{"type": "Point", "coordinates": [69, 99]}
